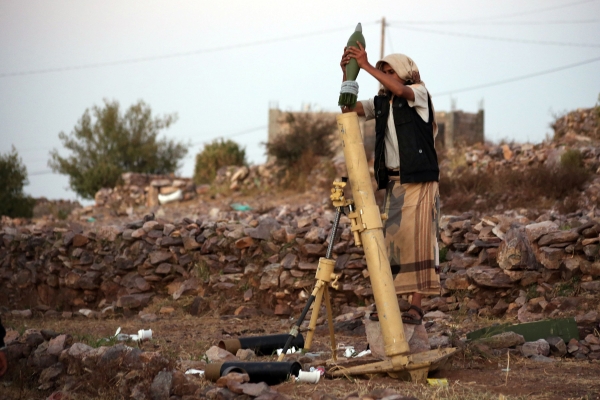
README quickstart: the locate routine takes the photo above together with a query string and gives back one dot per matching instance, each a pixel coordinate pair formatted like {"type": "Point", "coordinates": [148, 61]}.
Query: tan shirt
{"type": "Point", "coordinates": [420, 104]}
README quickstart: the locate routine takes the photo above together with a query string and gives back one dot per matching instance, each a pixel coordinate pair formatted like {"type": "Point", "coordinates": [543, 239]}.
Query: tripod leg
{"type": "Point", "coordinates": [330, 323]}
{"type": "Point", "coordinates": [315, 314]}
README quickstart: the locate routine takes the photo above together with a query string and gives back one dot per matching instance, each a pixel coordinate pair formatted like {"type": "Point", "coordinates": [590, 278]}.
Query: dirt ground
{"type": "Point", "coordinates": [181, 336]}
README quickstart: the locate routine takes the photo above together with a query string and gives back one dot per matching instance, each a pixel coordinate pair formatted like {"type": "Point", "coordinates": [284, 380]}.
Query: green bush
{"type": "Point", "coordinates": [13, 176]}
{"type": "Point", "coordinates": [571, 159]}
{"type": "Point", "coordinates": [106, 143]}
{"type": "Point", "coordinates": [216, 155]}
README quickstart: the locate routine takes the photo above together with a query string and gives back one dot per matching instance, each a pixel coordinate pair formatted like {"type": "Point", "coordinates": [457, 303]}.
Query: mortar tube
{"type": "Point", "coordinates": [371, 236]}
{"type": "Point", "coordinates": [272, 373]}
{"type": "Point", "coordinates": [262, 345]}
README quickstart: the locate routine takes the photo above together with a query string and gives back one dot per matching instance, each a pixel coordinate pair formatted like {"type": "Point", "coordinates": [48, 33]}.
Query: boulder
{"type": "Point", "coordinates": [489, 277]}
{"type": "Point", "coordinates": [540, 348]}
{"type": "Point", "coordinates": [503, 340]}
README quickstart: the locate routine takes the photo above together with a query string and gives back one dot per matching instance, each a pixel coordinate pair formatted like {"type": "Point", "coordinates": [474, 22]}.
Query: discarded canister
{"type": "Point", "coordinates": [272, 373]}
{"type": "Point", "coordinates": [262, 345]}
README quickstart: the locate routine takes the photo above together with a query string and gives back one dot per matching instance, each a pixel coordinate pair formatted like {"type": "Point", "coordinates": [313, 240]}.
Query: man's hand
{"type": "Point", "coordinates": [359, 54]}
{"type": "Point", "coordinates": [3, 363]}
{"type": "Point", "coordinates": [345, 60]}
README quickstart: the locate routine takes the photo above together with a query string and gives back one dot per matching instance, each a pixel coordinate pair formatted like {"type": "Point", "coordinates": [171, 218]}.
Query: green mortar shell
{"type": "Point", "coordinates": [352, 68]}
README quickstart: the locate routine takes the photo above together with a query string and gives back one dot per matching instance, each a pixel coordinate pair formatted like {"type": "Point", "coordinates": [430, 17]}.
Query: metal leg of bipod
{"type": "Point", "coordinates": [319, 287]}
{"type": "Point", "coordinates": [330, 323]}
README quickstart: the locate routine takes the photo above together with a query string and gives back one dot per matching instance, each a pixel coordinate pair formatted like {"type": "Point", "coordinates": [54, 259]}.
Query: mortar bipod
{"type": "Point", "coordinates": [324, 277]}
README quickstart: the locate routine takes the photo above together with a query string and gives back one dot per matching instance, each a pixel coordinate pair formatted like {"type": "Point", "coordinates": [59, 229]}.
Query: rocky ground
{"type": "Point", "coordinates": [240, 261]}
{"type": "Point", "coordinates": [219, 273]}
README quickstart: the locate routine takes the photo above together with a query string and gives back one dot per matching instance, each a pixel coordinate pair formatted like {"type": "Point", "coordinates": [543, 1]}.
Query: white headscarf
{"type": "Point", "coordinates": [407, 70]}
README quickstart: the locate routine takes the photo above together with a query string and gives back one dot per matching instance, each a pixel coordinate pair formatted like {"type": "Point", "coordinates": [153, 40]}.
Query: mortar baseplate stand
{"type": "Point", "coordinates": [367, 227]}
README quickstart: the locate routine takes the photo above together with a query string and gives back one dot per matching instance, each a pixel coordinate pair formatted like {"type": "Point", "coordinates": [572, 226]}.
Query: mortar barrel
{"type": "Point", "coordinates": [372, 236]}
{"type": "Point", "coordinates": [262, 345]}
{"type": "Point", "coordinates": [272, 373]}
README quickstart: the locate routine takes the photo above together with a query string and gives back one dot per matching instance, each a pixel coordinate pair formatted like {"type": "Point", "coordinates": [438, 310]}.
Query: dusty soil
{"type": "Point", "coordinates": [181, 336]}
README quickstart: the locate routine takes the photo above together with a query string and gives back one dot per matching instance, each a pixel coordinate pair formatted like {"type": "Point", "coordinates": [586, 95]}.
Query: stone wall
{"type": "Point", "coordinates": [493, 261]}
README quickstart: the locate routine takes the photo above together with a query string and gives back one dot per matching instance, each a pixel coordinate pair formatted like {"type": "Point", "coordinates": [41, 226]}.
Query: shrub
{"type": "Point", "coordinates": [571, 159]}
{"type": "Point", "coordinates": [216, 155]}
{"type": "Point", "coordinates": [298, 151]}
{"type": "Point", "coordinates": [13, 176]}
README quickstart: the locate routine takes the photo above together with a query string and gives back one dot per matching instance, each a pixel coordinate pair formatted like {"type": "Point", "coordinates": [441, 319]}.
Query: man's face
{"type": "Point", "coordinates": [388, 70]}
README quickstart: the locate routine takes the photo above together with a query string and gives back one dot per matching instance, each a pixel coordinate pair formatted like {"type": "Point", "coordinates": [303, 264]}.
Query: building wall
{"type": "Point", "coordinates": [454, 128]}
{"type": "Point", "coordinates": [459, 128]}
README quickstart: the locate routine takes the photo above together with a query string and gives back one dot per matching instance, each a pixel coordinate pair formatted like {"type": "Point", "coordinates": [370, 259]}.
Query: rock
{"type": "Point", "coordinates": [537, 230]}
{"type": "Point", "coordinates": [558, 237]}
{"type": "Point", "coordinates": [592, 269]}
{"type": "Point", "coordinates": [244, 242]}
{"type": "Point", "coordinates": [587, 318]}
{"type": "Point", "coordinates": [181, 386]}
{"type": "Point", "coordinates": [217, 354]}
{"type": "Point", "coordinates": [500, 308]}
{"type": "Point", "coordinates": [232, 378]}
{"type": "Point", "coordinates": [161, 386]}
{"type": "Point", "coordinates": [51, 373]}
{"type": "Point", "coordinates": [254, 389]}
{"type": "Point", "coordinates": [58, 344]}
{"type": "Point", "coordinates": [263, 230]}
{"type": "Point", "coordinates": [245, 354]}
{"type": "Point", "coordinates": [523, 315]}
{"type": "Point", "coordinates": [199, 306]}
{"type": "Point", "coordinates": [490, 277]}
{"type": "Point", "coordinates": [503, 340]}
{"type": "Point", "coordinates": [558, 348]}
{"type": "Point", "coordinates": [157, 257]}
{"type": "Point", "coordinates": [591, 286]}
{"type": "Point", "coordinates": [457, 281]}
{"type": "Point", "coordinates": [79, 350]}
{"type": "Point", "coordinates": [515, 252]}
{"type": "Point", "coordinates": [437, 342]}
{"type": "Point", "coordinates": [189, 286]}
{"type": "Point", "coordinates": [189, 243]}
{"type": "Point", "coordinates": [540, 347]}
{"type": "Point", "coordinates": [270, 278]}
{"type": "Point", "coordinates": [134, 300]}
{"type": "Point", "coordinates": [551, 258]}
{"type": "Point", "coordinates": [433, 315]}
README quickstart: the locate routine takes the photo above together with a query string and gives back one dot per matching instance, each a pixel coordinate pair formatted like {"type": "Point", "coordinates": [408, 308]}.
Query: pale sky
{"type": "Point", "coordinates": [219, 65]}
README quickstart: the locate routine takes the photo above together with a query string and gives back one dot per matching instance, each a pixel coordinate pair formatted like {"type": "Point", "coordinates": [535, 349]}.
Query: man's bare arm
{"type": "Point", "coordinates": [393, 85]}
{"type": "Point", "coordinates": [358, 108]}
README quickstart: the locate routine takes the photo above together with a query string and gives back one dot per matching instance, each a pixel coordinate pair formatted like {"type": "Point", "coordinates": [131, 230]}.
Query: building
{"type": "Point", "coordinates": [455, 128]}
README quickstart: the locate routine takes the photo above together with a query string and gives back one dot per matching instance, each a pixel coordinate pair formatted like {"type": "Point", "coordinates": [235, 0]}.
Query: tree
{"type": "Point", "coordinates": [215, 155]}
{"type": "Point", "coordinates": [13, 176]}
{"type": "Point", "coordinates": [106, 143]}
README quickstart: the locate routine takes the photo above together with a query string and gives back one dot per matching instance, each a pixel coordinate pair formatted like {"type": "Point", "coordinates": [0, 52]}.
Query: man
{"type": "Point", "coordinates": [406, 166]}
{"type": "Point", "coordinates": [3, 362]}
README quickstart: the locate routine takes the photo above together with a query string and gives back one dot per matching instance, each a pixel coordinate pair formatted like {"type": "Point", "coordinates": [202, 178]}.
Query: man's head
{"type": "Point", "coordinates": [401, 67]}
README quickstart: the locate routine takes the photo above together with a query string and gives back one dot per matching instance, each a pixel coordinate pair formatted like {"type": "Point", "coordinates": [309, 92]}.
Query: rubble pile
{"type": "Point", "coordinates": [487, 157]}
{"type": "Point", "coordinates": [272, 176]}
{"type": "Point", "coordinates": [579, 124]}
{"type": "Point", "coordinates": [56, 362]}
{"type": "Point", "coordinates": [144, 190]}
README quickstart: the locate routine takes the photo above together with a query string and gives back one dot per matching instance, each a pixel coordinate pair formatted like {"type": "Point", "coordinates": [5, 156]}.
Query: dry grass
{"type": "Point", "coordinates": [534, 187]}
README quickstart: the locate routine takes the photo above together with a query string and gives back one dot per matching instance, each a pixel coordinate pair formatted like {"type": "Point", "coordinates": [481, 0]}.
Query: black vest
{"type": "Point", "coordinates": [418, 158]}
